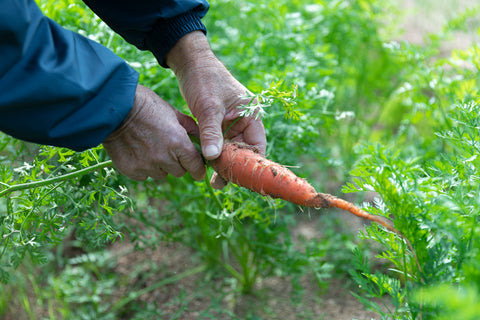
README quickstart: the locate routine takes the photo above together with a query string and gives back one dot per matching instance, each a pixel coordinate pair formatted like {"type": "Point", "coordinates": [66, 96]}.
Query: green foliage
{"type": "Point", "coordinates": [258, 103]}
{"type": "Point", "coordinates": [333, 54]}
{"type": "Point", "coordinates": [57, 191]}
{"type": "Point", "coordinates": [340, 99]}
{"type": "Point", "coordinates": [431, 191]}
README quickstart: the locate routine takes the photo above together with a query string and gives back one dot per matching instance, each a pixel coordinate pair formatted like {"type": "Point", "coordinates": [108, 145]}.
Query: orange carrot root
{"type": "Point", "coordinates": [244, 166]}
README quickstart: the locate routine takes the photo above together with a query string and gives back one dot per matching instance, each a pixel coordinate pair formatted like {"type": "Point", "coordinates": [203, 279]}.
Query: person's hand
{"type": "Point", "coordinates": [213, 95]}
{"type": "Point", "coordinates": [153, 141]}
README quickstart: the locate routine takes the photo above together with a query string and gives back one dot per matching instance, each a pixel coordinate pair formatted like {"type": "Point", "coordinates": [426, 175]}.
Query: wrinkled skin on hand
{"type": "Point", "coordinates": [213, 95]}
{"type": "Point", "coordinates": [153, 141]}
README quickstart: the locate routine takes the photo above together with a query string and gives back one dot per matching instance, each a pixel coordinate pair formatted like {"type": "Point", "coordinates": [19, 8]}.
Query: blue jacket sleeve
{"type": "Point", "coordinates": [154, 25]}
{"type": "Point", "coordinates": [57, 87]}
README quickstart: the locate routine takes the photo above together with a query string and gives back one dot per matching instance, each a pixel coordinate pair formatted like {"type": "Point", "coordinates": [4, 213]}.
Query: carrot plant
{"type": "Point", "coordinates": [433, 201]}
{"type": "Point", "coordinates": [429, 186]}
{"type": "Point", "coordinates": [44, 199]}
{"type": "Point", "coordinates": [361, 116]}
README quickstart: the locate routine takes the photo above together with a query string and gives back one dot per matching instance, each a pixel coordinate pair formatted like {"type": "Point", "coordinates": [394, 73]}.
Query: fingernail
{"type": "Point", "coordinates": [210, 151]}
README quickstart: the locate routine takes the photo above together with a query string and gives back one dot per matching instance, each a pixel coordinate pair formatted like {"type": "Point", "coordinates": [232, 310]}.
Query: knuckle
{"type": "Point", "coordinates": [192, 162]}
{"type": "Point", "coordinates": [175, 144]}
{"type": "Point", "coordinates": [210, 108]}
{"type": "Point", "coordinates": [178, 173]}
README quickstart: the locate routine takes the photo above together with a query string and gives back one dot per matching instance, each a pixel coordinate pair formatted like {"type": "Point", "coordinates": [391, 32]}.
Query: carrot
{"type": "Point", "coordinates": [244, 166]}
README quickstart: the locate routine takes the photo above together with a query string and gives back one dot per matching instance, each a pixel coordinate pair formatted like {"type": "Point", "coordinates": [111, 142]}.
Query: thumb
{"type": "Point", "coordinates": [211, 136]}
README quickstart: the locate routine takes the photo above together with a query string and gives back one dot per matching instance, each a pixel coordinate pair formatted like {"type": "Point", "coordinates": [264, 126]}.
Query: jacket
{"type": "Point", "coordinates": [60, 88]}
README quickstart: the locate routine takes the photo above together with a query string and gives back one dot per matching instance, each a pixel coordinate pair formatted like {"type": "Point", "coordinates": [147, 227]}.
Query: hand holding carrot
{"type": "Point", "coordinates": [213, 96]}
{"type": "Point", "coordinates": [153, 141]}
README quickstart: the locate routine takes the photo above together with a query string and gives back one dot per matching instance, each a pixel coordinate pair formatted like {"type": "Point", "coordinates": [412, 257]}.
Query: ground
{"type": "Point", "coordinates": [271, 298]}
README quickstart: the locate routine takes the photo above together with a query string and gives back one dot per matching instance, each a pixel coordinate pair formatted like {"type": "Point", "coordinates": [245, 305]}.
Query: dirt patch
{"type": "Point", "coordinates": [422, 18]}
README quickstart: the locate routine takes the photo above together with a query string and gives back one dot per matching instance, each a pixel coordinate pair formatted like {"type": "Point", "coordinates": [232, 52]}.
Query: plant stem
{"type": "Point", "coordinates": [211, 191]}
{"type": "Point", "coordinates": [68, 176]}
{"type": "Point", "coordinates": [196, 142]}
{"type": "Point", "coordinates": [231, 125]}
{"type": "Point", "coordinates": [135, 295]}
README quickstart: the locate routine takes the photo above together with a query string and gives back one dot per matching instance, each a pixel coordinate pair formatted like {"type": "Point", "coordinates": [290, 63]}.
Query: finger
{"type": "Point", "coordinates": [218, 182]}
{"type": "Point", "coordinates": [190, 159]}
{"type": "Point", "coordinates": [142, 174]}
{"type": "Point", "coordinates": [250, 131]}
{"type": "Point", "coordinates": [181, 156]}
{"type": "Point", "coordinates": [188, 123]}
{"type": "Point", "coordinates": [123, 165]}
{"type": "Point", "coordinates": [136, 175]}
{"type": "Point", "coordinates": [192, 162]}
{"type": "Point", "coordinates": [173, 167]}
{"type": "Point", "coordinates": [211, 137]}
{"type": "Point", "coordinates": [255, 135]}
{"type": "Point", "coordinates": [158, 174]}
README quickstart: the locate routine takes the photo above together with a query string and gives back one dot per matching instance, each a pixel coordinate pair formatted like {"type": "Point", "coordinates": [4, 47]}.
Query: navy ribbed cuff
{"type": "Point", "coordinates": [167, 32]}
